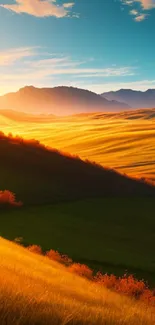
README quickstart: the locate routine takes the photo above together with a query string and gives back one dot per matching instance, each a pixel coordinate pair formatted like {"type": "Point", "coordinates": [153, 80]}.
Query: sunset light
{"type": "Point", "coordinates": [77, 162]}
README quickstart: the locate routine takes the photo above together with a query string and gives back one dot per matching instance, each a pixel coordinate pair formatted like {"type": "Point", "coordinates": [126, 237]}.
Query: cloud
{"type": "Point", "coordinates": [39, 8]}
{"type": "Point", "coordinates": [134, 12]}
{"type": "Point", "coordinates": [147, 4]}
{"type": "Point", "coordinates": [140, 15]}
{"type": "Point", "coordinates": [10, 56]}
{"type": "Point", "coordinates": [25, 66]}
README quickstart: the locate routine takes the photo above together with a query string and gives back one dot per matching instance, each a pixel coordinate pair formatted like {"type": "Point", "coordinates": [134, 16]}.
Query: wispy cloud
{"type": "Point", "coordinates": [141, 13]}
{"type": "Point", "coordinates": [39, 8]}
{"type": "Point", "coordinates": [147, 4]}
{"type": "Point", "coordinates": [33, 63]}
{"type": "Point", "coordinates": [141, 17]}
{"type": "Point", "coordinates": [28, 65]}
{"type": "Point", "coordinates": [10, 56]}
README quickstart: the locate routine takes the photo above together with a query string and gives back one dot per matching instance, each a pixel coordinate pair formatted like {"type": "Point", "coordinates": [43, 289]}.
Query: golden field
{"type": "Point", "coordinates": [36, 290]}
{"type": "Point", "coordinates": [124, 141]}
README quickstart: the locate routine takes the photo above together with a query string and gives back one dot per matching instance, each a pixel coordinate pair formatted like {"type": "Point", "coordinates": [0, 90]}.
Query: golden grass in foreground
{"type": "Point", "coordinates": [35, 291]}
{"type": "Point", "coordinates": [124, 141]}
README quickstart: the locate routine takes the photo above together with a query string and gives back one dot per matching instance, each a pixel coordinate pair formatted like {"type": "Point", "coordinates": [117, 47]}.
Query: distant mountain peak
{"type": "Point", "coordinates": [134, 98]}
{"type": "Point", "coordinates": [60, 100]}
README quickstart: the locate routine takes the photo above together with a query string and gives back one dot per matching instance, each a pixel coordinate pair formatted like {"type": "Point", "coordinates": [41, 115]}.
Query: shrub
{"type": "Point", "coordinates": [82, 270]}
{"type": "Point", "coordinates": [127, 285]}
{"type": "Point", "coordinates": [130, 286]}
{"type": "Point", "coordinates": [35, 249]}
{"type": "Point", "coordinates": [56, 256]}
{"type": "Point", "coordinates": [109, 281]}
{"type": "Point", "coordinates": [8, 198]}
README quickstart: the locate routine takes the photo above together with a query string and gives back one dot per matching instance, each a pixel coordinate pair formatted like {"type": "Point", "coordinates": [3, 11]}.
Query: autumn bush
{"type": "Point", "coordinates": [8, 199]}
{"type": "Point", "coordinates": [82, 270]}
{"type": "Point", "coordinates": [56, 256]}
{"type": "Point", "coordinates": [35, 249]}
{"type": "Point", "coordinates": [126, 285]}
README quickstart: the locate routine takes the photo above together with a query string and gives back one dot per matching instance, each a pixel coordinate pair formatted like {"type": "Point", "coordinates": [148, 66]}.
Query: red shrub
{"type": "Point", "coordinates": [35, 249]}
{"type": "Point", "coordinates": [8, 198]}
{"type": "Point", "coordinates": [130, 286]}
{"type": "Point", "coordinates": [81, 270]}
{"type": "Point", "coordinates": [127, 285]}
{"type": "Point", "coordinates": [55, 256]}
{"type": "Point", "coordinates": [109, 281]}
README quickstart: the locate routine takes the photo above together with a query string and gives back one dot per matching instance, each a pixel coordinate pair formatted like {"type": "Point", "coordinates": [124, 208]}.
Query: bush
{"type": "Point", "coordinates": [56, 256]}
{"type": "Point", "coordinates": [109, 281]}
{"type": "Point", "coordinates": [82, 270]}
{"type": "Point", "coordinates": [35, 249]}
{"type": "Point", "coordinates": [8, 199]}
{"type": "Point", "coordinates": [127, 285]}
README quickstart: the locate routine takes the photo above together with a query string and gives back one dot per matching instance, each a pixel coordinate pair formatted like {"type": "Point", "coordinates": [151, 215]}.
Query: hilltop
{"type": "Point", "coordinates": [134, 98]}
{"type": "Point", "coordinates": [123, 141]}
{"type": "Point", "coordinates": [38, 291]}
{"type": "Point", "coordinates": [41, 175]}
{"type": "Point", "coordinates": [58, 101]}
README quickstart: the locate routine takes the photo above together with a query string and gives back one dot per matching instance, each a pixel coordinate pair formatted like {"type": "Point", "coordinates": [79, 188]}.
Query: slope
{"type": "Point", "coordinates": [38, 175]}
{"type": "Point", "coordinates": [124, 141]}
{"type": "Point", "coordinates": [35, 290]}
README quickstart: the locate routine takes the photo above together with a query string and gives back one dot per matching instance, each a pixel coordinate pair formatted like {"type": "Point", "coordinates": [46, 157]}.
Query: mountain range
{"type": "Point", "coordinates": [58, 101]}
{"type": "Point", "coordinates": [69, 100]}
{"type": "Point", "coordinates": [135, 99]}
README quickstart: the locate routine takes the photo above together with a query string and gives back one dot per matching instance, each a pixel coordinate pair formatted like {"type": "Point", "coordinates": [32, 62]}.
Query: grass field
{"type": "Point", "coordinates": [38, 291]}
{"type": "Point", "coordinates": [124, 141]}
{"type": "Point", "coordinates": [114, 235]}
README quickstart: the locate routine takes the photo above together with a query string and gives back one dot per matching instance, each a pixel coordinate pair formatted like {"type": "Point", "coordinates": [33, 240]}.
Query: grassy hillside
{"type": "Point", "coordinates": [112, 234]}
{"type": "Point", "coordinates": [39, 176]}
{"type": "Point", "coordinates": [37, 291]}
{"type": "Point", "coordinates": [124, 141]}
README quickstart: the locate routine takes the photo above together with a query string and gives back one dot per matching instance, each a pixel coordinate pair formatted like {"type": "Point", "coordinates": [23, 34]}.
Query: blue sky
{"type": "Point", "coordinates": [99, 45]}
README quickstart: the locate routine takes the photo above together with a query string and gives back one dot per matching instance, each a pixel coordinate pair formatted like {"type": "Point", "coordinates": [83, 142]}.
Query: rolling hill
{"type": "Point", "coordinates": [39, 175]}
{"type": "Point", "coordinates": [123, 141]}
{"type": "Point", "coordinates": [58, 101]}
{"type": "Point", "coordinates": [135, 99]}
{"type": "Point", "coordinates": [38, 291]}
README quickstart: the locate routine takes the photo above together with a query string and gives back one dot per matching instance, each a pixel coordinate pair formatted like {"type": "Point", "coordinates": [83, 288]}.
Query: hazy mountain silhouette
{"type": "Point", "coordinates": [58, 101]}
{"type": "Point", "coordinates": [135, 99]}
{"type": "Point", "coordinates": [38, 175]}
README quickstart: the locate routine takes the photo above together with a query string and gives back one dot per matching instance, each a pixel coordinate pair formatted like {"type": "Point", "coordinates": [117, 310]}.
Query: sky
{"type": "Point", "coordinates": [99, 45]}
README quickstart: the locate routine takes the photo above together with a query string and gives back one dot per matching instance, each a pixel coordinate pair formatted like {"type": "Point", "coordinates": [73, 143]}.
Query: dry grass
{"type": "Point", "coordinates": [124, 141]}
{"type": "Point", "coordinates": [36, 290]}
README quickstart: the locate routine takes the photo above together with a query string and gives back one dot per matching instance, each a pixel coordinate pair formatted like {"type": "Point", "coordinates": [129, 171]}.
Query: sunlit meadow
{"type": "Point", "coordinates": [124, 141]}
{"type": "Point", "coordinates": [36, 290]}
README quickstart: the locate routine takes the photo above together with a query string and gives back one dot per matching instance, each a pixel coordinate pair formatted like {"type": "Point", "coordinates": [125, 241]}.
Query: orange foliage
{"type": "Point", "coordinates": [56, 256]}
{"type": "Point", "coordinates": [35, 249]}
{"type": "Point", "coordinates": [126, 285]}
{"type": "Point", "coordinates": [8, 198]}
{"type": "Point", "coordinates": [82, 270]}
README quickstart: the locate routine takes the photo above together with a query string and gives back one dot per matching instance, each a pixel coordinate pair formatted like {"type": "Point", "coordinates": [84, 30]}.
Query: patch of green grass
{"type": "Point", "coordinates": [111, 234]}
